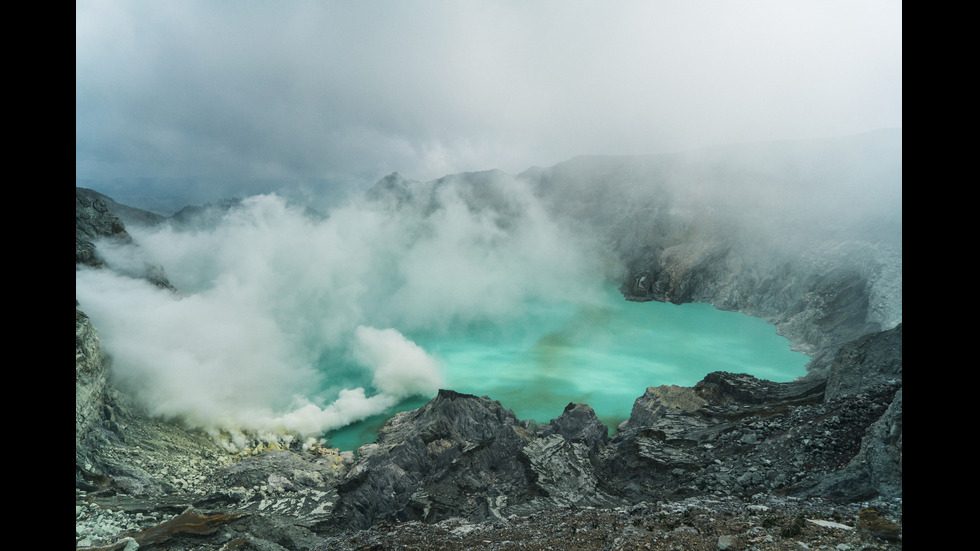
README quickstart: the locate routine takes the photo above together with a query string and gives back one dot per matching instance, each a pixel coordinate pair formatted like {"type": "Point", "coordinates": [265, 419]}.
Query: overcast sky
{"type": "Point", "coordinates": [226, 91]}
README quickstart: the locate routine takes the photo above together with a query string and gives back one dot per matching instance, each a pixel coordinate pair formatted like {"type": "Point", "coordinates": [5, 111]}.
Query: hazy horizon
{"type": "Point", "coordinates": [210, 100]}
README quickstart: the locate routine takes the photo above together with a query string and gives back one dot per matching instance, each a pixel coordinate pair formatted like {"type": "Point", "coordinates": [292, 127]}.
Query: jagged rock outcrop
{"type": "Point", "coordinates": [866, 362]}
{"type": "Point", "coordinates": [721, 388]}
{"type": "Point", "coordinates": [93, 221]}
{"type": "Point", "coordinates": [458, 455]}
{"type": "Point", "coordinates": [869, 363]}
{"type": "Point", "coordinates": [91, 377]}
{"type": "Point", "coordinates": [731, 435]}
{"type": "Point", "coordinates": [658, 401]}
{"type": "Point", "coordinates": [881, 451]}
{"type": "Point", "coordinates": [298, 488]}
{"type": "Point", "coordinates": [115, 442]}
{"type": "Point", "coordinates": [567, 457]}
{"type": "Point", "coordinates": [130, 216]}
{"type": "Point", "coordinates": [466, 456]}
{"type": "Point", "coordinates": [577, 424]}
{"type": "Point", "coordinates": [98, 217]}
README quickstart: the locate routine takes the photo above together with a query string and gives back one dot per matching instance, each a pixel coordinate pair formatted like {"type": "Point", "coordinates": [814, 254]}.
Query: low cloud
{"type": "Point", "coordinates": [225, 95]}
{"type": "Point", "coordinates": [292, 324]}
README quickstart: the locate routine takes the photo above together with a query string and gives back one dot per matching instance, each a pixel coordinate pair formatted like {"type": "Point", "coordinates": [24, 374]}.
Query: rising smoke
{"type": "Point", "coordinates": [288, 323]}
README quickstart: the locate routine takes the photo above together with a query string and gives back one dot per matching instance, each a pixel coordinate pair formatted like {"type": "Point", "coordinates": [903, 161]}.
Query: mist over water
{"type": "Point", "coordinates": [288, 322]}
{"type": "Point", "coordinates": [294, 324]}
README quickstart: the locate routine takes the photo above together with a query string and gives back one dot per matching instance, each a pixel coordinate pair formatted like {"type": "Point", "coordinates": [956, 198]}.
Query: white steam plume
{"type": "Point", "coordinates": [401, 368]}
{"type": "Point", "coordinates": [275, 325]}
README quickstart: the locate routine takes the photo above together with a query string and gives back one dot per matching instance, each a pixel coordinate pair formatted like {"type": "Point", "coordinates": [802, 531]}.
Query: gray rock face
{"type": "Point", "coordinates": [881, 451]}
{"type": "Point", "coordinates": [721, 388]}
{"type": "Point", "coordinates": [458, 455]}
{"type": "Point", "coordinates": [463, 455]}
{"type": "Point", "coordinates": [129, 216]}
{"type": "Point", "coordinates": [866, 362]}
{"type": "Point", "coordinates": [91, 377]}
{"type": "Point", "coordinates": [657, 402]}
{"type": "Point", "coordinates": [93, 221]}
{"type": "Point", "coordinates": [577, 424]}
{"type": "Point", "coordinates": [97, 217]}
{"type": "Point", "coordinates": [824, 268]}
{"type": "Point", "coordinates": [300, 487]}
{"type": "Point", "coordinates": [791, 446]}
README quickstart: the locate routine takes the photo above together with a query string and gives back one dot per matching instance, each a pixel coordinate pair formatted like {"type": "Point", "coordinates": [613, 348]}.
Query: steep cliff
{"type": "Point", "coordinates": [91, 377]}
{"type": "Point", "coordinates": [94, 221]}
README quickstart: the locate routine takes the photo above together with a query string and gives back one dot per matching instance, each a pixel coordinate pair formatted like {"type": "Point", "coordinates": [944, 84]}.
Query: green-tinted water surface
{"type": "Point", "coordinates": [604, 354]}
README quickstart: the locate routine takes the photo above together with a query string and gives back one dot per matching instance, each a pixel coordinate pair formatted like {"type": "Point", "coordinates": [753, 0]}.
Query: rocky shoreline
{"type": "Point", "coordinates": [734, 459]}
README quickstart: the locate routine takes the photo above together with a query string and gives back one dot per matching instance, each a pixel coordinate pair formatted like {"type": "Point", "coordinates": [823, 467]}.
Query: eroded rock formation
{"type": "Point", "coordinates": [732, 434]}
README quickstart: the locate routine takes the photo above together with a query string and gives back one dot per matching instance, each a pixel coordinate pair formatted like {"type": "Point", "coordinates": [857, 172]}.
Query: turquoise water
{"type": "Point", "coordinates": [603, 354]}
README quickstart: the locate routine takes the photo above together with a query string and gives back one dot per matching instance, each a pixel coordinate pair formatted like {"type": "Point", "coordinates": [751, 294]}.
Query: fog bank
{"type": "Point", "coordinates": [281, 313]}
